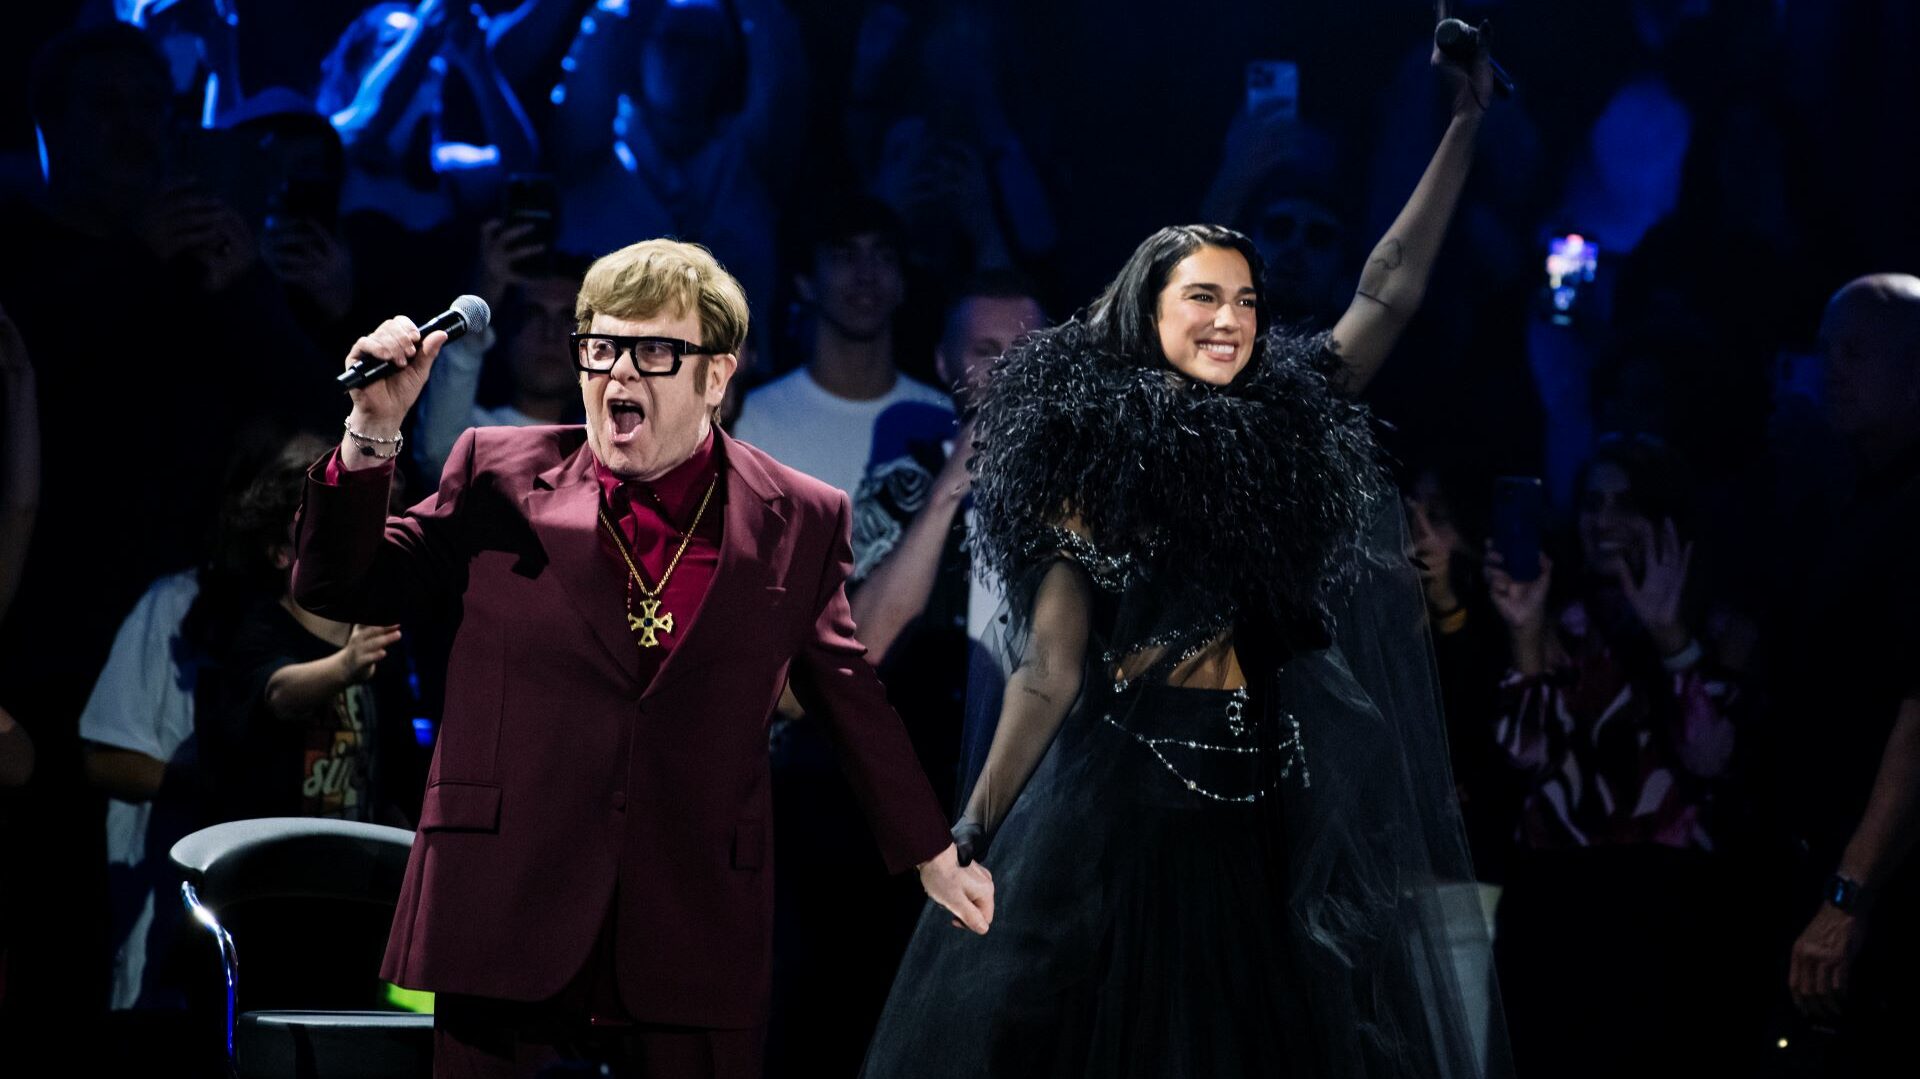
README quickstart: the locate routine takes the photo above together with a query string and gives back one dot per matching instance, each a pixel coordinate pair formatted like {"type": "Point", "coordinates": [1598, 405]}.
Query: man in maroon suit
{"type": "Point", "coordinates": [592, 875]}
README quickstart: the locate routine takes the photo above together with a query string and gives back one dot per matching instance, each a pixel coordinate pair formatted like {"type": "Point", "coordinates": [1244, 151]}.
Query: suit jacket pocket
{"type": "Point", "coordinates": [452, 806]}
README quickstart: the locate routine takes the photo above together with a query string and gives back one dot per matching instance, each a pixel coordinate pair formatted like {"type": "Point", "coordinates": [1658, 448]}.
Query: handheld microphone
{"type": "Point", "coordinates": [1460, 43]}
{"type": "Point", "coordinates": [469, 314]}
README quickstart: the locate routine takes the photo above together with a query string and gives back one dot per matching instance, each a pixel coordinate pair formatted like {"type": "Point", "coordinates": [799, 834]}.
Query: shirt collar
{"type": "Point", "coordinates": [675, 490]}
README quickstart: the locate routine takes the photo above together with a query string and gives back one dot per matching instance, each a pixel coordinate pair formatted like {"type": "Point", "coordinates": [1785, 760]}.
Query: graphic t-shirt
{"type": "Point", "coordinates": [318, 765]}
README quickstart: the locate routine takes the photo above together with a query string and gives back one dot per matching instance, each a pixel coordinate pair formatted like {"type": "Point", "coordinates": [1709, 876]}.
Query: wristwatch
{"type": "Point", "coordinates": [1843, 892]}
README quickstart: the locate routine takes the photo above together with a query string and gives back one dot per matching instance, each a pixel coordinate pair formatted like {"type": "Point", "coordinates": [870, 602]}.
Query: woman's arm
{"type": "Point", "coordinates": [1042, 689]}
{"type": "Point", "coordinates": [1394, 280]}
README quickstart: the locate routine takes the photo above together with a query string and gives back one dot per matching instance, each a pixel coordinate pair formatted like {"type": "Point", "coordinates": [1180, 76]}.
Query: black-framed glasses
{"type": "Point", "coordinates": [596, 353]}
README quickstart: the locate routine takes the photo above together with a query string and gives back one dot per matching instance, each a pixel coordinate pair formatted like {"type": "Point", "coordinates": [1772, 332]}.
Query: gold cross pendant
{"type": "Point", "coordinates": [649, 623]}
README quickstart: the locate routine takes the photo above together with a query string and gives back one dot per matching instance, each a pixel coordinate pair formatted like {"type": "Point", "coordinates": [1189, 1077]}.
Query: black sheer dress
{"type": "Point", "coordinates": [1222, 833]}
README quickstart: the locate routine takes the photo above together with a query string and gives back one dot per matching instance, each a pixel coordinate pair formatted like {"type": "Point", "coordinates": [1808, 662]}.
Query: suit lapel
{"type": "Point", "coordinates": [564, 509]}
{"type": "Point", "coordinates": [750, 543]}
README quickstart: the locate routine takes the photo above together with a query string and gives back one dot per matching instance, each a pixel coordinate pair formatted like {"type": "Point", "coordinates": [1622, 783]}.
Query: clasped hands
{"type": "Point", "coordinates": [966, 891]}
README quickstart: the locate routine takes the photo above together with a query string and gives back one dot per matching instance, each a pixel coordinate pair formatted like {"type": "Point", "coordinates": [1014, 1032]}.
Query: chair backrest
{"type": "Point", "coordinates": [293, 858]}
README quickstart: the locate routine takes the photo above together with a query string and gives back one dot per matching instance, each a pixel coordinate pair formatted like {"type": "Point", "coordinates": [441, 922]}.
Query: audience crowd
{"type": "Point", "coordinates": [1681, 671]}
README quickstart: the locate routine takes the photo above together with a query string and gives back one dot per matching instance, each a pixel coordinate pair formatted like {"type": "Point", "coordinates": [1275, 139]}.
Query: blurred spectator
{"type": "Point", "coordinates": [201, 41]}
{"type": "Point", "coordinates": [157, 335]}
{"type": "Point", "coordinates": [310, 717]}
{"type": "Point", "coordinates": [385, 86]}
{"type": "Point", "coordinates": [290, 175]}
{"type": "Point", "coordinates": [1848, 696]}
{"type": "Point", "coordinates": [432, 132]}
{"type": "Point", "coordinates": [931, 136]}
{"type": "Point", "coordinates": [1447, 512]}
{"type": "Point", "coordinates": [127, 237]}
{"type": "Point", "coordinates": [138, 727]}
{"type": "Point", "coordinates": [1628, 177]}
{"type": "Point", "coordinates": [532, 297]}
{"type": "Point", "coordinates": [911, 595]}
{"type": "Point", "coordinates": [849, 410]}
{"type": "Point", "coordinates": [681, 118]}
{"type": "Point", "coordinates": [1278, 182]}
{"type": "Point", "coordinates": [1618, 941]}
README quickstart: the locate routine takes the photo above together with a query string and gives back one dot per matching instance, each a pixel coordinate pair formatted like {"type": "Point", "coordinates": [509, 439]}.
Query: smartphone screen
{"type": "Point", "coordinates": [1274, 85]}
{"type": "Point", "coordinates": [1519, 516]}
{"type": "Point", "coordinates": [1571, 263]}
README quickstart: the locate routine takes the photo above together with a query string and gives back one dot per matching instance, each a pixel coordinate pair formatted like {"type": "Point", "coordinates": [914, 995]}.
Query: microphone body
{"type": "Point", "coordinates": [469, 314]}
{"type": "Point", "coordinates": [1459, 42]}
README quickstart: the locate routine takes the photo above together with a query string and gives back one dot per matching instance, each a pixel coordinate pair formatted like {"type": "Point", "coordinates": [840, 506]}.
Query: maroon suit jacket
{"type": "Point", "coordinates": [558, 786]}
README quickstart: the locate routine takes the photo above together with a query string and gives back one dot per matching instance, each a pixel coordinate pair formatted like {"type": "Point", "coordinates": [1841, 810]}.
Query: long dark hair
{"type": "Point", "coordinates": [1124, 318]}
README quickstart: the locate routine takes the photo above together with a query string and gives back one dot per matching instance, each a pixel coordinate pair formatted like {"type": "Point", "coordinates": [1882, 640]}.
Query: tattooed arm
{"type": "Point", "coordinates": [1395, 277]}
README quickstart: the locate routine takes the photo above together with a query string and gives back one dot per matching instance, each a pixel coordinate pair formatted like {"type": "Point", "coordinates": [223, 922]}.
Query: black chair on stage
{"type": "Point", "coordinates": [341, 878]}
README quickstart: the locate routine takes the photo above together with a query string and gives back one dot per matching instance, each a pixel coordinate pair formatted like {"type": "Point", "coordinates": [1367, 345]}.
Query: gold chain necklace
{"type": "Point", "coordinates": [650, 623]}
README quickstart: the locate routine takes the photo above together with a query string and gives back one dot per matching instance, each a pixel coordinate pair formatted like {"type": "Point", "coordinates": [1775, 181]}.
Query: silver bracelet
{"type": "Point", "coordinates": [366, 442]}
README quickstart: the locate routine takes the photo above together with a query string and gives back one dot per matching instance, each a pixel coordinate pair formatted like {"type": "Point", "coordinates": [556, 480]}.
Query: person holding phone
{"type": "Point", "coordinates": [1216, 805]}
{"type": "Point", "coordinates": [1614, 937]}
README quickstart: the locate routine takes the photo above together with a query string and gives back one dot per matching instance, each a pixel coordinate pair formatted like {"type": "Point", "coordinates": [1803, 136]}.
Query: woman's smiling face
{"type": "Point", "coordinates": [1206, 315]}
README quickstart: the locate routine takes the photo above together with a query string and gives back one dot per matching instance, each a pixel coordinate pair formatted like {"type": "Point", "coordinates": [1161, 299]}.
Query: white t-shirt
{"type": "Point", "coordinates": [143, 701]}
{"type": "Point", "coordinates": [836, 440]}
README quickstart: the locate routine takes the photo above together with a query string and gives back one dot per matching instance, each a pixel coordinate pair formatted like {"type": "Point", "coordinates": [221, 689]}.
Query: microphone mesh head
{"type": "Point", "coordinates": [1455, 38]}
{"type": "Point", "coordinates": [474, 310]}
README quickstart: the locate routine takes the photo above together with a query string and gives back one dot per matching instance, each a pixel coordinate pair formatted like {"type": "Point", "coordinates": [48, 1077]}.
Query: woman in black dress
{"type": "Point", "coordinates": [1217, 805]}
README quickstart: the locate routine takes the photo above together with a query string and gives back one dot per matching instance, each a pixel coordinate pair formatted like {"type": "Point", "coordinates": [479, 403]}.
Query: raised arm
{"type": "Point", "coordinates": [897, 590]}
{"type": "Point", "coordinates": [508, 130]}
{"type": "Point", "coordinates": [377, 124]}
{"type": "Point", "coordinates": [774, 116]}
{"type": "Point", "coordinates": [1394, 280]}
{"type": "Point", "coordinates": [528, 42]}
{"type": "Point", "coordinates": [1042, 689]}
{"type": "Point", "coordinates": [580, 135]}
{"type": "Point", "coordinates": [352, 563]}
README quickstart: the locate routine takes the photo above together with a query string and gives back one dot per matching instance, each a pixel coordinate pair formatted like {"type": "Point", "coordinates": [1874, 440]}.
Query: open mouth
{"type": "Point", "coordinates": [625, 417]}
{"type": "Point", "coordinates": [1220, 350]}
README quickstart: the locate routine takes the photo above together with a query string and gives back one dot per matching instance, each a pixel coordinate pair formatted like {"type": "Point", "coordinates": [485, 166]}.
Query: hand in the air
{"type": "Point", "coordinates": [1655, 597]}
{"type": "Point", "coordinates": [384, 403]}
{"type": "Point", "coordinates": [1472, 83]}
{"type": "Point", "coordinates": [1522, 604]}
{"type": "Point", "coordinates": [366, 646]}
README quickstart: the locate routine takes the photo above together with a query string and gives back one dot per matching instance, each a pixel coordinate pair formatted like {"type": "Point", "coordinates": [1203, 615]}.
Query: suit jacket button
{"type": "Point", "coordinates": [620, 801]}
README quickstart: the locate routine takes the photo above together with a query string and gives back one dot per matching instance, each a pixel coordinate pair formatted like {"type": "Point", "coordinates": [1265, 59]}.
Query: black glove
{"type": "Point", "coordinates": [969, 840]}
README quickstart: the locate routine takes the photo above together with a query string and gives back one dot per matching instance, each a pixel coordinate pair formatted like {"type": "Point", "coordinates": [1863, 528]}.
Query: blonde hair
{"type": "Point", "coordinates": [654, 277]}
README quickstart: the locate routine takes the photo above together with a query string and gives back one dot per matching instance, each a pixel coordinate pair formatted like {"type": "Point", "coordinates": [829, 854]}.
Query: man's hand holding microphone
{"type": "Point", "coordinates": [385, 372]}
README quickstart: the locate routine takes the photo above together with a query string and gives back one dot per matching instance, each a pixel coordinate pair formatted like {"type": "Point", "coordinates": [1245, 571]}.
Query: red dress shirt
{"type": "Point", "coordinates": [650, 517]}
